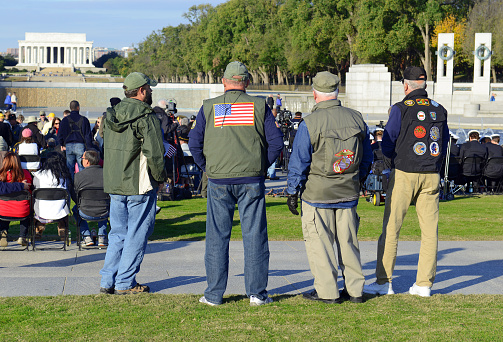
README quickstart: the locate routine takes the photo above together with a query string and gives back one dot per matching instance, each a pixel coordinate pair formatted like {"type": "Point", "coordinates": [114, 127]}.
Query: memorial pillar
{"type": "Point", "coordinates": [482, 65]}
{"type": "Point", "coordinates": [51, 61]}
{"type": "Point", "coordinates": [445, 64]}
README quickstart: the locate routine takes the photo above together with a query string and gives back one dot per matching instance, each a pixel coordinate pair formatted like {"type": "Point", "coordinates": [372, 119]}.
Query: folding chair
{"type": "Point", "coordinates": [100, 199]}
{"type": "Point", "coordinates": [30, 162]}
{"type": "Point", "coordinates": [51, 194]}
{"type": "Point", "coordinates": [472, 170]}
{"type": "Point", "coordinates": [493, 172]}
{"type": "Point", "coordinates": [191, 170]}
{"type": "Point", "coordinates": [22, 198]}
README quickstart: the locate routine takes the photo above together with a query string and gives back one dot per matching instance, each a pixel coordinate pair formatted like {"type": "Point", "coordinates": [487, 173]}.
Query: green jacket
{"type": "Point", "coordinates": [134, 151]}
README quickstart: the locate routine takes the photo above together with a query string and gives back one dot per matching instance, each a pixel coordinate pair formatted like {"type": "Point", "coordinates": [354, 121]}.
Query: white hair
{"type": "Point", "coordinates": [162, 104]}
{"type": "Point", "coordinates": [333, 94]}
{"type": "Point", "coordinates": [415, 84]}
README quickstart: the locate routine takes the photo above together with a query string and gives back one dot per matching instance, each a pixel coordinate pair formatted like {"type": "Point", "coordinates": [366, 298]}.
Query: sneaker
{"type": "Point", "coordinates": [423, 291]}
{"type": "Point", "coordinates": [256, 301]}
{"type": "Point", "coordinates": [107, 290]}
{"type": "Point", "coordinates": [313, 295]}
{"type": "Point", "coordinates": [375, 288]}
{"type": "Point", "coordinates": [88, 241]}
{"type": "Point", "coordinates": [22, 241]}
{"type": "Point", "coordinates": [207, 302]}
{"type": "Point", "coordinates": [344, 295]}
{"type": "Point", "coordinates": [3, 238]}
{"type": "Point", "coordinates": [134, 290]}
{"type": "Point", "coordinates": [102, 241]}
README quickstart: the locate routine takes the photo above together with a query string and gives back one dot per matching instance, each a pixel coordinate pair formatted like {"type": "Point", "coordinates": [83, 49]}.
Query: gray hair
{"type": "Point", "coordinates": [333, 94]}
{"type": "Point", "coordinates": [184, 121]}
{"type": "Point", "coordinates": [415, 84]}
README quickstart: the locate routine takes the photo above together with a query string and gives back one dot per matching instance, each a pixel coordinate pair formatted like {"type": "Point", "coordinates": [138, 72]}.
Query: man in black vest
{"type": "Point", "coordinates": [331, 154]}
{"type": "Point", "coordinates": [74, 135]}
{"type": "Point", "coordinates": [234, 140]}
{"type": "Point", "coordinates": [414, 142]}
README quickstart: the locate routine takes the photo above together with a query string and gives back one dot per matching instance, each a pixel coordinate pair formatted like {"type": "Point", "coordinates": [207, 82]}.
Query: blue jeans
{"type": "Point", "coordinates": [74, 153]}
{"type": "Point", "coordinates": [131, 223]}
{"type": "Point", "coordinates": [14, 107]}
{"type": "Point", "coordinates": [251, 205]}
{"type": "Point", "coordinates": [82, 219]}
{"type": "Point", "coordinates": [271, 171]}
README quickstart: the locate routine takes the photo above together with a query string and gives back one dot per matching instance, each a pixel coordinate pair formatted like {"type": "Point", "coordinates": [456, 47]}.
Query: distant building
{"type": "Point", "coordinates": [55, 50]}
{"type": "Point", "coordinates": [14, 52]}
{"type": "Point", "coordinates": [125, 51]}
{"type": "Point", "coordinates": [99, 52]}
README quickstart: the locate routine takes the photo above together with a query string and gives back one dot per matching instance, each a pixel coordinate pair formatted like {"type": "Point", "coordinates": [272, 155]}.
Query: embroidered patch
{"type": "Point", "coordinates": [433, 115]}
{"type": "Point", "coordinates": [434, 103]}
{"type": "Point", "coordinates": [419, 132]}
{"type": "Point", "coordinates": [419, 148]}
{"type": "Point", "coordinates": [409, 103]}
{"type": "Point", "coordinates": [434, 149]}
{"type": "Point", "coordinates": [423, 102]}
{"type": "Point", "coordinates": [193, 125]}
{"type": "Point", "coordinates": [434, 133]}
{"type": "Point", "coordinates": [421, 116]}
{"type": "Point", "coordinates": [277, 124]}
{"type": "Point", "coordinates": [347, 160]}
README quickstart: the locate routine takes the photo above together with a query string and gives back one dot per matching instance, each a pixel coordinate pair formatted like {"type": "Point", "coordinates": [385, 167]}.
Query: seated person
{"type": "Point", "coordinates": [11, 172]}
{"type": "Point", "coordinates": [90, 177]}
{"type": "Point", "coordinates": [27, 147]}
{"type": "Point", "coordinates": [53, 174]}
{"type": "Point", "coordinates": [472, 148]}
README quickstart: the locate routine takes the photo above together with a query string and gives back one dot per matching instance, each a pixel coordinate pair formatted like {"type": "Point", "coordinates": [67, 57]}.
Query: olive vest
{"type": "Point", "coordinates": [337, 135]}
{"type": "Point", "coordinates": [234, 138]}
{"type": "Point", "coordinates": [419, 145]}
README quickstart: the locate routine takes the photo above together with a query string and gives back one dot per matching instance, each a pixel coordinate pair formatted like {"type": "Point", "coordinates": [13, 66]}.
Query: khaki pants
{"type": "Point", "coordinates": [405, 187]}
{"type": "Point", "coordinates": [321, 228]}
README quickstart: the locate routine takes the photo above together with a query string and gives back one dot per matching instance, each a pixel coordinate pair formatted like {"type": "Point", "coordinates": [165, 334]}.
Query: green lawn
{"type": "Point", "coordinates": [157, 317]}
{"type": "Point", "coordinates": [465, 218]}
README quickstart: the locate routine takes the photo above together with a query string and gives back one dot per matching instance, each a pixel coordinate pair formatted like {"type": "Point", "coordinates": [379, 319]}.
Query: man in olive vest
{"type": "Point", "coordinates": [234, 140]}
{"type": "Point", "coordinates": [331, 154]}
{"type": "Point", "coordinates": [414, 144]}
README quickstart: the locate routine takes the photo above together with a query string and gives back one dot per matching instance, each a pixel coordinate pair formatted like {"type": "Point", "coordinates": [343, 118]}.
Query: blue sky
{"type": "Point", "coordinates": [108, 23]}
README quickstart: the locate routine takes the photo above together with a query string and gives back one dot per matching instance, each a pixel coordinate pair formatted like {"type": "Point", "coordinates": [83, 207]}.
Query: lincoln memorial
{"type": "Point", "coordinates": [66, 50]}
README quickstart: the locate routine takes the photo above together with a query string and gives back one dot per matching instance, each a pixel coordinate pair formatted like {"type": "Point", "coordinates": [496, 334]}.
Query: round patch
{"type": "Point", "coordinates": [419, 148]}
{"type": "Point", "coordinates": [434, 149]}
{"type": "Point", "coordinates": [419, 132]}
{"type": "Point", "coordinates": [434, 103]}
{"type": "Point", "coordinates": [421, 116]}
{"type": "Point", "coordinates": [409, 103]}
{"type": "Point", "coordinates": [434, 133]}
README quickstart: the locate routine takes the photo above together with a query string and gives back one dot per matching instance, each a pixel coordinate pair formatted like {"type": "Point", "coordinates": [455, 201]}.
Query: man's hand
{"type": "Point", "coordinates": [26, 185]}
{"type": "Point", "coordinates": [292, 203]}
{"type": "Point", "coordinates": [63, 148]}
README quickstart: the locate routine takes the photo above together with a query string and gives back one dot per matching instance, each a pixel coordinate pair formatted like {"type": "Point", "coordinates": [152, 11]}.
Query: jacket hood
{"type": "Point", "coordinates": [119, 117]}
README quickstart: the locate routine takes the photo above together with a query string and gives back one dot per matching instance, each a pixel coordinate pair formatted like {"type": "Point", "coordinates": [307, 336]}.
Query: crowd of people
{"type": "Point", "coordinates": [235, 139]}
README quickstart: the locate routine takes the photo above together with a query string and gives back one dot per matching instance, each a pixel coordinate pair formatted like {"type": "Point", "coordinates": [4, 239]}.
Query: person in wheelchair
{"type": "Point", "coordinates": [11, 172]}
{"type": "Point", "coordinates": [53, 174]}
{"type": "Point", "coordinates": [90, 177]}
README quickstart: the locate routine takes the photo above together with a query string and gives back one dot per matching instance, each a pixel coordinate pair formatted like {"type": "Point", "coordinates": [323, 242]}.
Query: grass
{"type": "Point", "coordinates": [157, 317]}
{"type": "Point", "coordinates": [465, 218]}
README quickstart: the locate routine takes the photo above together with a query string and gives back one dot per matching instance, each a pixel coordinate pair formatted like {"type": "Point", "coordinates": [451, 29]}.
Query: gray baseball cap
{"type": "Point", "coordinates": [236, 71]}
{"type": "Point", "coordinates": [326, 82]}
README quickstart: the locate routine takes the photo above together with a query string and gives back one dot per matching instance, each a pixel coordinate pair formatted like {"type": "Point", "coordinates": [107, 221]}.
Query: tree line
{"type": "Point", "coordinates": [287, 41]}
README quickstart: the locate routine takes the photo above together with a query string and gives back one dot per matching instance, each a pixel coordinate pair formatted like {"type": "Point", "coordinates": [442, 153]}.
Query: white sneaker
{"type": "Point", "coordinates": [255, 301]}
{"type": "Point", "coordinates": [205, 301]}
{"type": "Point", "coordinates": [423, 291]}
{"type": "Point", "coordinates": [375, 288]}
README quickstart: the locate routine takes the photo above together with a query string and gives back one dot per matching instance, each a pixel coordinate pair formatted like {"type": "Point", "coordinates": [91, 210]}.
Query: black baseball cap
{"type": "Point", "coordinates": [414, 73]}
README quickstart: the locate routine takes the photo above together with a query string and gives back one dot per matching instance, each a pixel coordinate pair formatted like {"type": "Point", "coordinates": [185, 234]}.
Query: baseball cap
{"type": "Point", "coordinates": [136, 79]}
{"type": "Point", "coordinates": [2, 116]}
{"type": "Point", "coordinates": [326, 82]}
{"type": "Point", "coordinates": [236, 71]}
{"type": "Point", "coordinates": [51, 115]}
{"type": "Point", "coordinates": [414, 73]}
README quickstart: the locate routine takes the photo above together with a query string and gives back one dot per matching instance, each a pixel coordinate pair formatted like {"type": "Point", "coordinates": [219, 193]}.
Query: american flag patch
{"type": "Point", "coordinates": [170, 149]}
{"type": "Point", "coordinates": [233, 114]}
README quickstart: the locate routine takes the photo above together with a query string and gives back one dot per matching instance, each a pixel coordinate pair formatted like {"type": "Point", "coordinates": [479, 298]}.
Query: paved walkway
{"type": "Point", "coordinates": [468, 267]}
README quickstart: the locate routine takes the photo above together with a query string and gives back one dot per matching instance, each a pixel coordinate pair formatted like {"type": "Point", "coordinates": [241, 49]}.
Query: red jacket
{"type": "Point", "coordinates": [16, 208]}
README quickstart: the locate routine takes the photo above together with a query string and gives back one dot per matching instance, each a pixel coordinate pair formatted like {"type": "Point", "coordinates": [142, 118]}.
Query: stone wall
{"type": "Point", "coordinates": [189, 97]}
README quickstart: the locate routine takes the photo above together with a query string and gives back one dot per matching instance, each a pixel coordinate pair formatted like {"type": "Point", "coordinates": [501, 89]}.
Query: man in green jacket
{"type": "Point", "coordinates": [132, 171]}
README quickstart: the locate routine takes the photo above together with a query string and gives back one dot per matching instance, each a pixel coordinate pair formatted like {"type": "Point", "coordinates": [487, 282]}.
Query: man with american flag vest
{"type": "Point", "coordinates": [234, 140]}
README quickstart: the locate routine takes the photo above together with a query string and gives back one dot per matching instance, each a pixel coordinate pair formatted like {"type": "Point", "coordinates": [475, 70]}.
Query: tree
{"type": "Point", "coordinates": [100, 62]}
